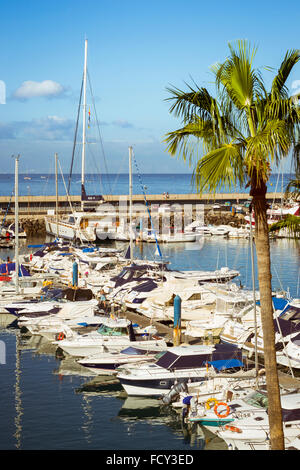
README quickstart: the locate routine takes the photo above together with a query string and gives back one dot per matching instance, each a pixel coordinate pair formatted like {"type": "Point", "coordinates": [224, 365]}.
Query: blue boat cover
{"type": "Point", "coordinates": [278, 303]}
{"type": "Point", "coordinates": [131, 350]}
{"type": "Point", "coordinates": [6, 268]}
{"type": "Point", "coordinates": [187, 400]}
{"type": "Point", "coordinates": [226, 364]}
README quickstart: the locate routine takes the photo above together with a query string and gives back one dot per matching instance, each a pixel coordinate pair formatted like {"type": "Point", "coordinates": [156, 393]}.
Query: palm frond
{"type": "Point", "coordinates": [291, 223]}
{"type": "Point", "coordinates": [292, 191]}
{"type": "Point", "coordinates": [236, 78]}
{"type": "Point", "coordinates": [188, 104]}
{"type": "Point", "coordinates": [279, 89]}
{"type": "Point", "coordinates": [222, 166]}
{"type": "Point", "coordinates": [273, 141]}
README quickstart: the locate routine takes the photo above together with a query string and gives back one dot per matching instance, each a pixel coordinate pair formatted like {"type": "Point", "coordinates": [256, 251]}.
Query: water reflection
{"type": "Point", "coordinates": [18, 395]}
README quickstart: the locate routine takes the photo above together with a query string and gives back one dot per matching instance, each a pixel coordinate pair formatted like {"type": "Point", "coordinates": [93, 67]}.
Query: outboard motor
{"type": "Point", "coordinates": [173, 394]}
{"type": "Point", "coordinates": [131, 332]}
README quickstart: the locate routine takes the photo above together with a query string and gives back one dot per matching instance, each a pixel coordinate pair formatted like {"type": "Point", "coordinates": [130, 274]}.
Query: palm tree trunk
{"type": "Point", "coordinates": [264, 278]}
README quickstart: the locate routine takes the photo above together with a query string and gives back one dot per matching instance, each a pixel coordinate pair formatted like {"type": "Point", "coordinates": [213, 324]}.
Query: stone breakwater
{"type": "Point", "coordinates": [35, 225]}
{"type": "Point", "coordinates": [32, 225]}
{"type": "Point", "coordinates": [224, 218]}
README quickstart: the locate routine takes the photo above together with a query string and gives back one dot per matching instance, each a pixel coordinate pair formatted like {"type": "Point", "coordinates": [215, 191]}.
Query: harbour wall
{"type": "Point", "coordinates": [32, 209]}
{"type": "Point", "coordinates": [41, 204]}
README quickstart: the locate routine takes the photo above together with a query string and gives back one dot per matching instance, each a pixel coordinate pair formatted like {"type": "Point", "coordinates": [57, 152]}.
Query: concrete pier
{"type": "Point", "coordinates": [41, 204]}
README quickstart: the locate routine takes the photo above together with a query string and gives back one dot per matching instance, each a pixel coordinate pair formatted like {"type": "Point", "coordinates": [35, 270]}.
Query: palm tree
{"type": "Point", "coordinates": [243, 132]}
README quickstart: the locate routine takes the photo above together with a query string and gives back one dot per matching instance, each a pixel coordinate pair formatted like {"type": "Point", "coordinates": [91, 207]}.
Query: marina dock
{"type": "Point", "coordinates": [41, 204]}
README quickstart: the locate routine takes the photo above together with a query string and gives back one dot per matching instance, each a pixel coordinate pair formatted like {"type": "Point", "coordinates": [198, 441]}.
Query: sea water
{"type": "Point", "coordinates": [47, 404]}
{"type": "Point", "coordinates": [44, 184]}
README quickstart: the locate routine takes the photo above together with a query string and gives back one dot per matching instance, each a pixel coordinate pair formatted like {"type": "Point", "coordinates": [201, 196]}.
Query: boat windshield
{"type": "Point", "coordinates": [107, 331]}
{"type": "Point", "coordinates": [257, 399]}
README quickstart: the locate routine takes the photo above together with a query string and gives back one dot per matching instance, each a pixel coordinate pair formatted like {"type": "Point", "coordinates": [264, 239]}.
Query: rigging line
{"type": "Point", "coordinates": [147, 205]}
{"type": "Point", "coordinates": [98, 127]}
{"type": "Point", "coordinates": [95, 163]}
{"type": "Point", "coordinates": [68, 196]}
{"type": "Point", "coordinates": [75, 137]}
{"type": "Point", "coordinates": [119, 173]}
{"type": "Point", "coordinates": [281, 286]}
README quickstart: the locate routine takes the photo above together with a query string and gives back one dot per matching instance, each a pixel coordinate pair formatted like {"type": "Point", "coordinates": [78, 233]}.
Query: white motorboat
{"type": "Point", "coordinates": [198, 228]}
{"type": "Point", "coordinates": [107, 363]}
{"type": "Point", "coordinates": [196, 301]}
{"type": "Point", "coordinates": [186, 363]}
{"type": "Point", "coordinates": [222, 386]}
{"type": "Point", "coordinates": [246, 426]}
{"type": "Point", "coordinates": [287, 327]}
{"type": "Point", "coordinates": [114, 334]}
{"type": "Point", "coordinates": [290, 357]}
{"type": "Point", "coordinates": [36, 318]}
{"type": "Point", "coordinates": [220, 230]}
{"type": "Point", "coordinates": [240, 232]}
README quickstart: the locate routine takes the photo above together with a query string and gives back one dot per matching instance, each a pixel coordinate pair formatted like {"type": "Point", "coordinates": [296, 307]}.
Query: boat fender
{"type": "Point", "coordinates": [232, 428]}
{"type": "Point", "coordinates": [60, 336]}
{"type": "Point", "coordinates": [187, 400]}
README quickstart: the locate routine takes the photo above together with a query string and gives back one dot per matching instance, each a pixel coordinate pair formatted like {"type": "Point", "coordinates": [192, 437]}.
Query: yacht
{"type": "Point", "coordinates": [246, 427]}
{"type": "Point", "coordinates": [185, 363]}
{"type": "Point", "coordinates": [108, 363]}
{"type": "Point", "coordinates": [114, 334]}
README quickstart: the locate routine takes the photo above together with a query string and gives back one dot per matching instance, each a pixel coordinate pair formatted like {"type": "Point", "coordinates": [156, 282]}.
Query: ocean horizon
{"type": "Point", "coordinates": [43, 184]}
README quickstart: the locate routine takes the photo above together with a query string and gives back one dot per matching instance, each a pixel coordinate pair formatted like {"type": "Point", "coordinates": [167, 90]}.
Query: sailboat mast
{"type": "Point", "coordinates": [56, 188]}
{"type": "Point", "coordinates": [17, 222]}
{"type": "Point", "coordinates": [254, 296]}
{"type": "Point", "coordinates": [84, 116]}
{"type": "Point", "coordinates": [130, 205]}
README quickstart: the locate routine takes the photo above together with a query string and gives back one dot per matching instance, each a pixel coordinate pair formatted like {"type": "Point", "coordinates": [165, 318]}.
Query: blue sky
{"type": "Point", "coordinates": [136, 49]}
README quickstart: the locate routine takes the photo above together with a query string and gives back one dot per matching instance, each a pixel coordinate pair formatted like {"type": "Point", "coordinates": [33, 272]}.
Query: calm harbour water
{"type": "Point", "coordinates": [44, 184]}
{"type": "Point", "coordinates": [48, 405]}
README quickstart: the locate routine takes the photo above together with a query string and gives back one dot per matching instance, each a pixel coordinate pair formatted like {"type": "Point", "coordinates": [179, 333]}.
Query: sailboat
{"type": "Point", "coordinates": [14, 287]}
{"type": "Point", "coordinates": [83, 226]}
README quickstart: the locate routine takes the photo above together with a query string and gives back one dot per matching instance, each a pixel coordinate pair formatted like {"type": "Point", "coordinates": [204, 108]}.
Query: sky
{"type": "Point", "coordinates": [136, 50]}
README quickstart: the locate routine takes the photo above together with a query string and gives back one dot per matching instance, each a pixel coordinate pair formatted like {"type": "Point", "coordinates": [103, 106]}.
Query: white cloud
{"type": "Point", "coordinates": [51, 128]}
{"type": "Point", "coordinates": [31, 89]}
{"type": "Point", "coordinates": [122, 123]}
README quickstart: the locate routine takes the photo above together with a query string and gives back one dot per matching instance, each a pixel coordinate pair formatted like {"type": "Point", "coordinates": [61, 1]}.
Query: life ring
{"type": "Point", "coordinates": [209, 401]}
{"type": "Point", "coordinates": [60, 336]}
{"type": "Point", "coordinates": [222, 415]}
{"type": "Point", "coordinates": [232, 428]}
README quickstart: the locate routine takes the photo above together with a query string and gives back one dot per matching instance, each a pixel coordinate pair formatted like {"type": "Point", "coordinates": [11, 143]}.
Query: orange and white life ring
{"type": "Point", "coordinates": [222, 414]}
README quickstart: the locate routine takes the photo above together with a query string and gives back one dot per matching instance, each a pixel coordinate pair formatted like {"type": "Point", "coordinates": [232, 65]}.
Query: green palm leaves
{"type": "Point", "coordinates": [243, 130]}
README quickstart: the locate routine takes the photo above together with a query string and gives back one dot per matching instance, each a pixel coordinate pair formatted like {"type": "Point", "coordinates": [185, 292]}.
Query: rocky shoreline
{"type": "Point", "coordinates": [35, 225]}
